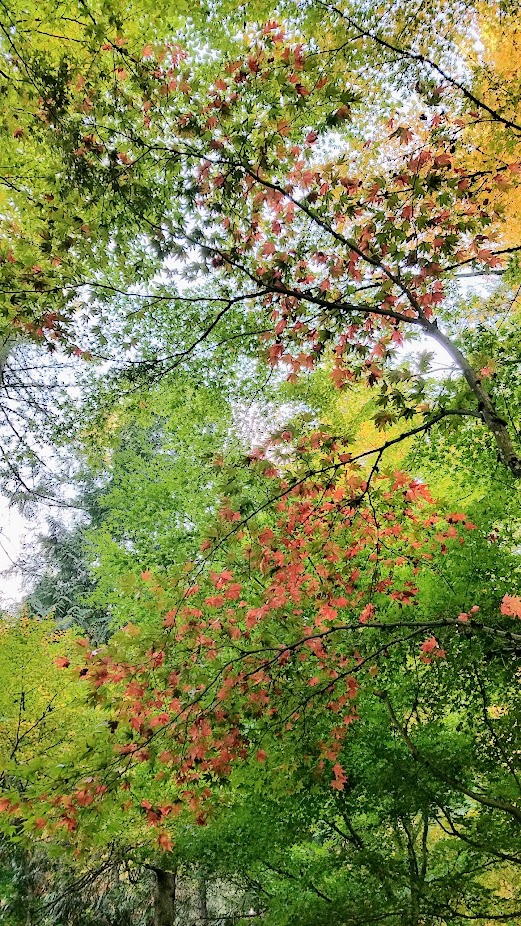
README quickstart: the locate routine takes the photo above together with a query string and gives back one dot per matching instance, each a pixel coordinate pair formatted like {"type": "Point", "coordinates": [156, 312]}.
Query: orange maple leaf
{"type": "Point", "coordinates": [511, 606]}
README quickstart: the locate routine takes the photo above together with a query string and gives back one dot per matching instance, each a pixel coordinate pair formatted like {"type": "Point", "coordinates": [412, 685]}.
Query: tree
{"type": "Point", "coordinates": [220, 687]}
{"type": "Point", "coordinates": [382, 244]}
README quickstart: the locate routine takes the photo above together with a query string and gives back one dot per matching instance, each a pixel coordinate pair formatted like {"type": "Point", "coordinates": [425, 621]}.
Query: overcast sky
{"type": "Point", "coordinates": [12, 529]}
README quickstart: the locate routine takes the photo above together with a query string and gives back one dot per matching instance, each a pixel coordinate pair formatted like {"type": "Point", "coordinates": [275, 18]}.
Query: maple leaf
{"type": "Point", "coordinates": [233, 592]}
{"type": "Point", "coordinates": [328, 613]}
{"type": "Point", "coordinates": [340, 777]}
{"type": "Point", "coordinates": [488, 257]}
{"type": "Point", "coordinates": [164, 842]}
{"type": "Point", "coordinates": [367, 613]}
{"type": "Point", "coordinates": [220, 579]}
{"type": "Point", "coordinates": [511, 606]}
{"type": "Point", "coordinates": [429, 645]}
{"type": "Point", "coordinates": [62, 662]}
{"type": "Point", "coordinates": [405, 135]}
{"type": "Point", "coordinates": [343, 113]}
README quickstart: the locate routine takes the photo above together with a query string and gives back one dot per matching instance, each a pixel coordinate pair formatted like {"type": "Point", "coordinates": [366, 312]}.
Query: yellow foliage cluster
{"type": "Point", "coordinates": [37, 701]}
{"type": "Point", "coordinates": [500, 34]}
{"type": "Point", "coordinates": [497, 63]}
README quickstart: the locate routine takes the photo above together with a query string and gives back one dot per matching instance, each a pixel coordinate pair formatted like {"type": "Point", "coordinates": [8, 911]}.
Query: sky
{"type": "Point", "coordinates": [13, 527]}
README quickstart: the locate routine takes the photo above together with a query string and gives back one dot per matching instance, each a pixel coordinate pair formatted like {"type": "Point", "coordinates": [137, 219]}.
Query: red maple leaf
{"type": "Point", "coordinates": [429, 645]}
{"type": "Point", "coordinates": [164, 842]}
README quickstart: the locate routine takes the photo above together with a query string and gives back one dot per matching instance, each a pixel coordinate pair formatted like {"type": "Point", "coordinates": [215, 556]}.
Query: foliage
{"type": "Point", "coordinates": [297, 699]}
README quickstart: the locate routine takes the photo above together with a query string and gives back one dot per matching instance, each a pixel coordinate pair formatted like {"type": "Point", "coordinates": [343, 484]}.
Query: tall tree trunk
{"type": "Point", "coordinates": [202, 908]}
{"type": "Point", "coordinates": [487, 409]}
{"type": "Point", "coordinates": [164, 901]}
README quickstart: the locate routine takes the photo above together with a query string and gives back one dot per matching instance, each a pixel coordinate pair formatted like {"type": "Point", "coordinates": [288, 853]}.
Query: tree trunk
{"type": "Point", "coordinates": [488, 411]}
{"type": "Point", "coordinates": [164, 901]}
{"type": "Point", "coordinates": [202, 908]}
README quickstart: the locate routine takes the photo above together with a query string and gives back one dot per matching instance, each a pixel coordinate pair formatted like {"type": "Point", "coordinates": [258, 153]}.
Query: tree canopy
{"type": "Point", "coordinates": [260, 288]}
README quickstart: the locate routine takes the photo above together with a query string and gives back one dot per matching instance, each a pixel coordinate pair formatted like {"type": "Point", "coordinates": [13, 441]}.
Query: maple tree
{"type": "Point", "coordinates": [220, 687]}
{"type": "Point", "coordinates": [338, 261]}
